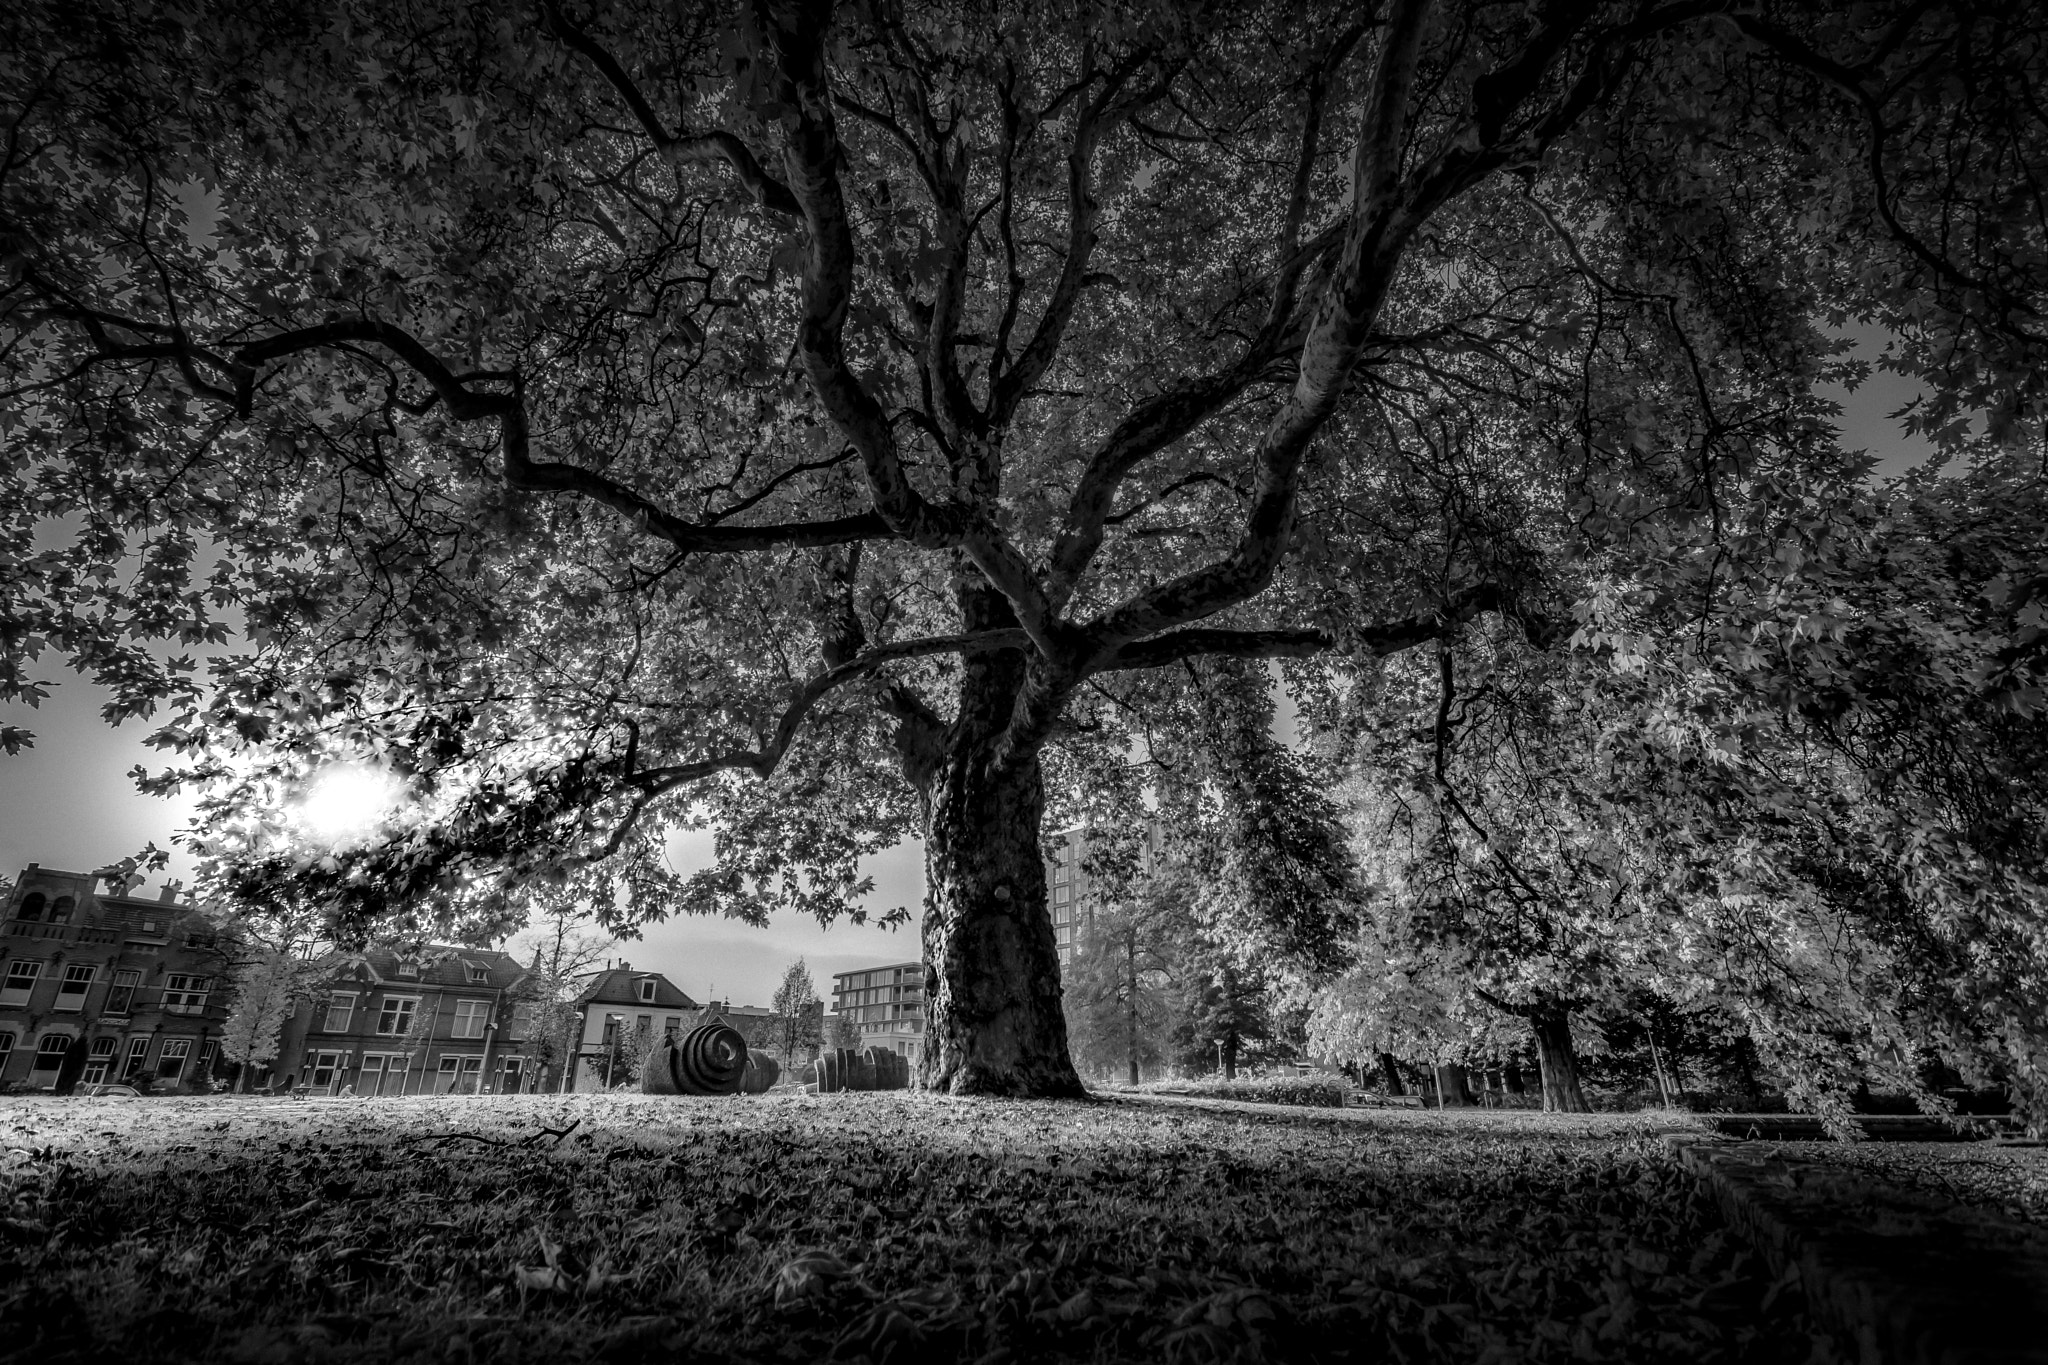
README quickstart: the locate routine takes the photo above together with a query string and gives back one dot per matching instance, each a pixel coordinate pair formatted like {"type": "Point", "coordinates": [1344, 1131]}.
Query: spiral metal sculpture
{"type": "Point", "coordinates": [875, 1069]}
{"type": "Point", "coordinates": [711, 1059]}
{"type": "Point", "coordinates": [762, 1073]}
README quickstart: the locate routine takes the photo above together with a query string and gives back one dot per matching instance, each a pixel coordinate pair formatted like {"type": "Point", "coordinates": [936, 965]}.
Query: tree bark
{"type": "Point", "coordinates": [1561, 1093]}
{"type": "Point", "coordinates": [992, 966]}
{"type": "Point", "coordinates": [1131, 1003]}
{"type": "Point", "coordinates": [1451, 1089]}
{"type": "Point", "coordinates": [1390, 1072]}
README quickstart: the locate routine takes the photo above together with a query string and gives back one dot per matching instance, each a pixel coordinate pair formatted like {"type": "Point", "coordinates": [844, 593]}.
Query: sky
{"type": "Point", "coordinates": [68, 803]}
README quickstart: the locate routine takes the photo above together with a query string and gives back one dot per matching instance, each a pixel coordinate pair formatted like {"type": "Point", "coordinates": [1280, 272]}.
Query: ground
{"type": "Point", "coordinates": [879, 1226]}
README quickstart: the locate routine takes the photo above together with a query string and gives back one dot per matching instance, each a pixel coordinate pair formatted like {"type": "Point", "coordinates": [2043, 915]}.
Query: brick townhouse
{"type": "Point", "coordinates": [434, 1020]}
{"type": "Point", "coordinates": [142, 979]}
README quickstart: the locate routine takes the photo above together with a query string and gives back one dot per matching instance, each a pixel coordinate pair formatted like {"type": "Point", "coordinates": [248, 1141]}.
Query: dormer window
{"type": "Point", "coordinates": [408, 967]}
{"type": "Point", "coordinates": [478, 973]}
{"type": "Point", "coordinates": [647, 989]}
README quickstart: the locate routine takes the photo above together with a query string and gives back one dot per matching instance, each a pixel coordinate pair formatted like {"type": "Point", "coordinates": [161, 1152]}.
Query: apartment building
{"type": "Point", "coordinates": [882, 1007]}
{"type": "Point", "coordinates": [1072, 896]}
{"type": "Point", "coordinates": [140, 978]}
{"type": "Point", "coordinates": [616, 998]}
{"type": "Point", "coordinates": [433, 1020]}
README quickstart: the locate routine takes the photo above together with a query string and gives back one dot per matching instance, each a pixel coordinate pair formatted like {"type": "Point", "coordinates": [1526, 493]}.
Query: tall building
{"type": "Point", "coordinates": [432, 1020]}
{"type": "Point", "coordinates": [883, 1006]}
{"type": "Point", "coordinates": [142, 980]}
{"type": "Point", "coordinates": [1072, 895]}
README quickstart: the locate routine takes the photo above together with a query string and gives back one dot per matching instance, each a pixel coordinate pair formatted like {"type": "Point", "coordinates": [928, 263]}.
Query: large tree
{"type": "Point", "coordinates": [605, 417]}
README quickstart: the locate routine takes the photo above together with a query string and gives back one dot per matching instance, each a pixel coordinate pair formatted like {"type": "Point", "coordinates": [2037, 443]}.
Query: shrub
{"type": "Point", "coordinates": [1321, 1092]}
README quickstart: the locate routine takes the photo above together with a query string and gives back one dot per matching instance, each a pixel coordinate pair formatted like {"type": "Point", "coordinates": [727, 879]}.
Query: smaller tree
{"type": "Point", "coordinates": [799, 1013]}
{"type": "Point", "coordinates": [563, 945]}
{"type": "Point", "coordinates": [1119, 989]}
{"type": "Point", "coordinates": [266, 984]}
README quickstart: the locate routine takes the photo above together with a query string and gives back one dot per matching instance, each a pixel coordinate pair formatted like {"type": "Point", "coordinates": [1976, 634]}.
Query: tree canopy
{"type": "Point", "coordinates": [829, 422]}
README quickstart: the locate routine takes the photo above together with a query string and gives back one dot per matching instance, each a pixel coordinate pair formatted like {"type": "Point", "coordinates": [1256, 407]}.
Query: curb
{"type": "Point", "coordinates": [1900, 1278]}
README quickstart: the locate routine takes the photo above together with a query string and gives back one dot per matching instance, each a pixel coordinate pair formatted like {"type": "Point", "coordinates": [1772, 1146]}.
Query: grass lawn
{"type": "Point", "coordinates": [881, 1226]}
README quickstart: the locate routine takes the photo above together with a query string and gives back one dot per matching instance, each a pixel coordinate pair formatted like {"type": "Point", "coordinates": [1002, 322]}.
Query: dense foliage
{"type": "Point", "coordinates": [832, 422]}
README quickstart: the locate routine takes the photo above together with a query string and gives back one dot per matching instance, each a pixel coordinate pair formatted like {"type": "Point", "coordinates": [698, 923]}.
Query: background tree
{"type": "Point", "coordinates": [799, 1013]}
{"type": "Point", "coordinates": [600, 417]}
{"type": "Point", "coordinates": [268, 983]}
{"type": "Point", "coordinates": [1119, 989]}
{"type": "Point", "coordinates": [564, 945]}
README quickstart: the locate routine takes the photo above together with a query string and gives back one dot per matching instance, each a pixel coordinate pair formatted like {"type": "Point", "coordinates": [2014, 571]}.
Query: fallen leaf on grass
{"type": "Point", "coordinates": [809, 1275]}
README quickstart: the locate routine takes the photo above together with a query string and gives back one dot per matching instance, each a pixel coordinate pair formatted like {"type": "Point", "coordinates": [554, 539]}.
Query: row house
{"type": "Point", "coordinates": [140, 979]}
{"type": "Point", "coordinates": [433, 1020]}
{"type": "Point", "coordinates": [617, 1000]}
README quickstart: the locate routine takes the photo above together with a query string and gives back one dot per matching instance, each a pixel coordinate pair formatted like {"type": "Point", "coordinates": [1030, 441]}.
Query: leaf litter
{"type": "Point", "coordinates": [869, 1227]}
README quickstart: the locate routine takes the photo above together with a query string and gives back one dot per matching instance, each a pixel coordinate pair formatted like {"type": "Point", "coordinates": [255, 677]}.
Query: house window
{"type": "Point", "coordinates": [60, 913]}
{"type": "Point", "coordinates": [50, 1051]}
{"type": "Point", "coordinates": [646, 1025]}
{"type": "Point", "coordinates": [341, 1012]}
{"type": "Point", "coordinates": [522, 1019]}
{"type": "Point", "coordinates": [459, 1076]}
{"type": "Point", "coordinates": [396, 1016]}
{"type": "Point", "coordinates": [326, 1069]}
{"type": "Point", "coordinates": [32, 906]}
{"type": "Point", "coordinates": [21, 979]}
{"type": "Point", "coordinates": [98, 1059]}
{"type": "Point", "coordinates": [207, 1050]}
{"type": "Point", "coordinates": [185, 994]}
{"type": "Point", "coordinates": [380, 1074]}
{"type": "Point", "coordinates": [170, 1063]}
{"type": "Point", "coordinates": [672, 1026]}
{"type": "Point", "coordinates": [478, 973]}
{"type": "Point", "coordinates": [647, 991]}
{"type": "Point", "coordinates": [6, 1049]}
{"type": "Point", "coordinates": [138, 1049]}
{"type": "Point", "coordinates": [121, 995]}
{"type": "Point", "coordinates": [469, 1018]}
{"type": "Point", "coordinates": [71, 991]}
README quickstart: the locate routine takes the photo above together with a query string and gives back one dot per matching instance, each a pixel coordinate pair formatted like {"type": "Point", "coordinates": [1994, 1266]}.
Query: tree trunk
{"type": "Point", "coordinates": [1131, 1003]}
{"type": "Point", "coordinates": [1230, 1057]}
{"type": "Point", "coordinates": [1391, 1074]}
{"type": "Point", "coordinates": [1511, 1078]}
{"type": "Point", "coordinates": [1561, 1093]}
{"type": "Point", "coordinates": [1451, 1090]}
{"type": "Point", "coordinates": [992, 967]}
{"type": "Point", "coordinates": [1657, 1064]}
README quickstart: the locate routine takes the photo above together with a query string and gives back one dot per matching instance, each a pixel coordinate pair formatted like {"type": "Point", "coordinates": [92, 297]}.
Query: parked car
{"type": "Point", "coordinates": [112, 1091]}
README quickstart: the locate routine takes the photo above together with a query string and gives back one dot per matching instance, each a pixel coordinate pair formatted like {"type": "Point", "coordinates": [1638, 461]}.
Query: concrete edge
{"type": "Point", "coordinates": [1897, 1279]}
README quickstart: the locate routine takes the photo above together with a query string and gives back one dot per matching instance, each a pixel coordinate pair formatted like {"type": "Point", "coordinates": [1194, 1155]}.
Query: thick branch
{"type": "Point", "coordinates": [765, 190]}
{"type": "Point", "coordinates": [1384, 637]}
{"type": "Point", "coordinates": [812, 157]}
{"type": "Point", "coordinates": [1378, 226]}
{"type": "Point", "coordinates": [762, 762]}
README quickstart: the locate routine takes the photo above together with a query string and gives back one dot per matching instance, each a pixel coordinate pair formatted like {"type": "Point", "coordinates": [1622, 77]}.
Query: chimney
{"type": "Point", "coordinates": [169, 895]}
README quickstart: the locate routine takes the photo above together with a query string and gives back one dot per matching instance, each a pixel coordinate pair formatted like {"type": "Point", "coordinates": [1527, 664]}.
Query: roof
{"type": "Point", "coordinates": [621, 986]}
{"type": "Point", "coordinates": [437, 964]}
